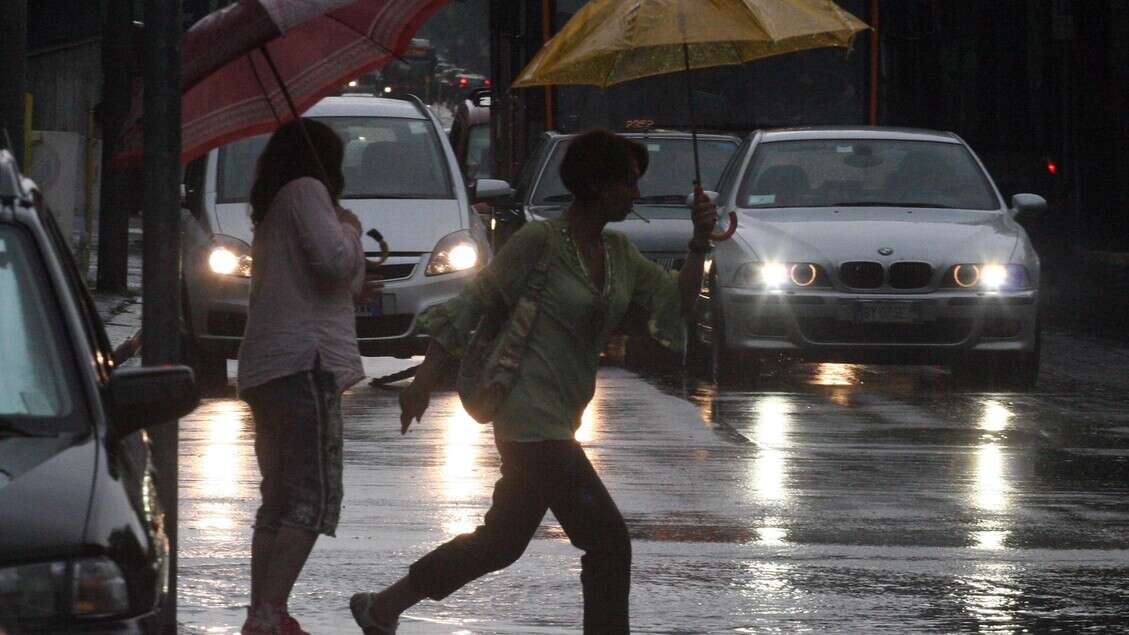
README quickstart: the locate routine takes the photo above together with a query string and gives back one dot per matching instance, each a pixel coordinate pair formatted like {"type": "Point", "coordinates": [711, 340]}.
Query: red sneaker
{"type": "Point", "coordinates": [257, 624]}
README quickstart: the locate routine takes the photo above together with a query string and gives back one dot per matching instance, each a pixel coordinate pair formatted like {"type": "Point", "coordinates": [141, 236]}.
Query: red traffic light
{"type": "Point", "coordinates": [1052, 167]}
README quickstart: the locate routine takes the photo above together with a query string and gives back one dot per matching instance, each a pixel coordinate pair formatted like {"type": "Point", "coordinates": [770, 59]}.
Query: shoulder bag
{"type": "Point", "coordinates": [491, 362]}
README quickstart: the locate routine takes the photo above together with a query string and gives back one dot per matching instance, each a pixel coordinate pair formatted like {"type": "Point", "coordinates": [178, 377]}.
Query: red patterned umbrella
{"type": "Point", "coordinates": [256, 64]}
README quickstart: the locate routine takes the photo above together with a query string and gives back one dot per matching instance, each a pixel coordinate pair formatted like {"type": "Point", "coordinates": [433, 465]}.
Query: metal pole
{"type": "Point", "coordinates": [13, 75]}
{"type": "Point", "coordinates": [160, 321]}
{"type": "Point", "coordinates": [872, 114]}
{"type": "Point", "coordinates": [546, 33]}
{"type": "Point", "coordinates": [113, 202]}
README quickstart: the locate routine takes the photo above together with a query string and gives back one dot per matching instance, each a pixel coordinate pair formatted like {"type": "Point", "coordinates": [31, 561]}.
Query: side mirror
{"type": "Point", "coordinates": [148, 395]}
{"type": "Point", "coordinates": [1027, 206]}
{"type": "Point", "coordinates": [492, 191]}
{"type": "Point", "coordinates": [709, 194]}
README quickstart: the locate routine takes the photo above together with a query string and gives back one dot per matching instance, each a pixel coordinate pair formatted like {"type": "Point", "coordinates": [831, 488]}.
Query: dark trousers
{"type": "Point", "coordinates": [537, 476]}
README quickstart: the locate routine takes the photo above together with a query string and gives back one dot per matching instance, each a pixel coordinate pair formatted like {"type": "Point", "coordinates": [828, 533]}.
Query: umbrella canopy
{"type": "Point", "coordinates": [612, 41]}
{"type": "Point", "coordinates": [232, 61]}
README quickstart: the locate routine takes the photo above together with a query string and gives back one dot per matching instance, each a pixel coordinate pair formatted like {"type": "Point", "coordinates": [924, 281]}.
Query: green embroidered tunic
{"type": "Point", "coordinates": [558, 376]}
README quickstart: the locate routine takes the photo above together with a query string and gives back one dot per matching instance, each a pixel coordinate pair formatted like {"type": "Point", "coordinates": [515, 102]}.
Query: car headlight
{"type": "Point", "coordinates": [87, 587]}
{"type": "Point", "coordinates": [779, 275]}
{"type": "Point", "coordinates": [455, 252]}
{"type": "Point", "coordinates": [230, 257]}
{"type": "Point", "coordinates": [987, 277]}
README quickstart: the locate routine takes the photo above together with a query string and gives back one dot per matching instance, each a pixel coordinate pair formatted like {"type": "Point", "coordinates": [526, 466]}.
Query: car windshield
{"type": "Point", "coordinates": [385, 157]}
{"type": "Point", "coordinates": [36, 395]}
{"type": "Point", "coordinates": [865, 172]}
{"type": "Point", "coordinates": [670, 171]}
{"type": "Point", "coordinates": [479, 159]}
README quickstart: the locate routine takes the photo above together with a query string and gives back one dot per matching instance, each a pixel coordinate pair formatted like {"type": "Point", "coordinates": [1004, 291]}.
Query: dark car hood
{"type": "Point", "coordinates": [45, 486]}
{"type": "Point", "coordinates": [667, 232]}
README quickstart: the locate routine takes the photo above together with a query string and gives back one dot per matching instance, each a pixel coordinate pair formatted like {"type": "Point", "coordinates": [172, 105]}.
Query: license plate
{"type": "Point", "coordinates": [887, 312]}
{"type": "Point", "coordinates": [381, 305]}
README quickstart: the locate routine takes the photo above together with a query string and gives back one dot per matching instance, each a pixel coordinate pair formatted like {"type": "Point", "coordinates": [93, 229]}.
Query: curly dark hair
{"type": "Point", "coordinates": [599, 158]}
{"type": "Point", "coordinates": [287, 156]}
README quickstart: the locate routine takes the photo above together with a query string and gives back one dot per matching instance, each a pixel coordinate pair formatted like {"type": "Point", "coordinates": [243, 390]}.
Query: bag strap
{"type": "Point", "coordinates": [540, 272]}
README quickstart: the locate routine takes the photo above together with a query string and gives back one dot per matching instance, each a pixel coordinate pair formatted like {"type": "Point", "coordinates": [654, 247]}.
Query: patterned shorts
{"type": "Point", "coordinates": [298, 446]}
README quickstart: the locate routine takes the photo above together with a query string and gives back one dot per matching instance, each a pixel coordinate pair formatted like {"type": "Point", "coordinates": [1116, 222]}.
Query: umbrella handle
{"type": "Point", "coordinates": [379, 238]}
{"type": "Point", "coordinates": [728, 233]}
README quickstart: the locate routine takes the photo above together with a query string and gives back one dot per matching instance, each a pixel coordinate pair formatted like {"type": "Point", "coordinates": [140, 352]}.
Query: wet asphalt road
{"type": "Point", "coordinates": [834, 498]}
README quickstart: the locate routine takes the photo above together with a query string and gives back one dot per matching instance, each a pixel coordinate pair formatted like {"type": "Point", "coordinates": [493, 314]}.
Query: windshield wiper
{"type": "Point", "coordinates": [887, 204]}
{"type": "Point", "coordinates": [9, 428]}
{"type": "Point", "coordinates": [663, 198]}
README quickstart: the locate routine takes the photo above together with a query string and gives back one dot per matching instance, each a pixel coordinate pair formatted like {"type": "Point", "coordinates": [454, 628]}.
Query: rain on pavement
{"type": "Point", "coordinates": [833, 498]}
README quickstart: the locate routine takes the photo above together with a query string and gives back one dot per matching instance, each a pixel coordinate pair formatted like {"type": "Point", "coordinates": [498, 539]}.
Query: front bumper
{"type": "Point", "coordinates": [218, 310]}
{"type": "Point", "coordinates": [831, 325]}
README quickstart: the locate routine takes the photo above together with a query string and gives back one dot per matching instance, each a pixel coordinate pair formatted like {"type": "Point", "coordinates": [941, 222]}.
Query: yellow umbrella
{"type": "Point", "coordinates": [612, 41]}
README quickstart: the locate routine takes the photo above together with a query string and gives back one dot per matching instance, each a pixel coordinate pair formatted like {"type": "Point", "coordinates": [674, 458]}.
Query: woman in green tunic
{"type": "Point", "coordinates": [595, 274]}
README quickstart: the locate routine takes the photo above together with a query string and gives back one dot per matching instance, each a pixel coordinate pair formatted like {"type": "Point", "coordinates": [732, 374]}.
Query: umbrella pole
{"type": "Point", "coordinates": [693, 117]}
{"type": "Point", "coordinates": [294, 111]}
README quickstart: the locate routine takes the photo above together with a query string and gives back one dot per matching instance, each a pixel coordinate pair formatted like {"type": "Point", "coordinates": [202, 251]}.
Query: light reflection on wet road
{"type": "Point", "coordinates": [832, 498]}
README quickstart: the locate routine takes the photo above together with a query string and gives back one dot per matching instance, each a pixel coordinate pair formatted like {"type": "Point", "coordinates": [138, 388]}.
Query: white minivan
{"type": "Point", "coordinates": [401, 178]}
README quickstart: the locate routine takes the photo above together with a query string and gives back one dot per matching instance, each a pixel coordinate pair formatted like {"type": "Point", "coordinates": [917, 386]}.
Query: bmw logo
{"type": "Point", "coordinates": [885, 251]}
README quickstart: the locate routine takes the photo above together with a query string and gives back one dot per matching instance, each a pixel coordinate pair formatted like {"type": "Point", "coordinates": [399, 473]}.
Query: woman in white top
{"type": "Point", "coordinates": [299, 353]}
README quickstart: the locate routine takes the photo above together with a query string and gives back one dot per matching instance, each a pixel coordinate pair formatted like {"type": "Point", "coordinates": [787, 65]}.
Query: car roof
{"type": "Point", "coordinates": [364, 106]}
{"type": "Point", "coordinates": [655, 134]}
{"type": "Point", "coordinates": [857, 132]}
{"type": "Point", "coordinates": [16, 198]}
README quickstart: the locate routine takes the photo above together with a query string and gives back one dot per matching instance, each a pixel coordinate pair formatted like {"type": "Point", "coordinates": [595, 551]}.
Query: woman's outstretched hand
{"type": "Point", "coordinates": [413, 403]}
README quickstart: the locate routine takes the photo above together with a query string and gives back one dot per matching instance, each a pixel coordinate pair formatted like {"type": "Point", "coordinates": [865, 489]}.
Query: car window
{"type": "Point", "coordinates": [479, 158]}
{"type": "Point", "coordinates": [670, 173]}
{"type": "Point", "coordinates": [385, 157]}
{"type": "Point", "coordinates": [863, 172]}
{"type": "Point", "coordinates": [38, 390]}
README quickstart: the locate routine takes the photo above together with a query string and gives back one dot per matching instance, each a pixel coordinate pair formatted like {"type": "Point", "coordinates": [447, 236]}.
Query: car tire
{"type": "Point", "coordinates": [210, 369]}
{"type": "Point", "coordinates": [728, 367]}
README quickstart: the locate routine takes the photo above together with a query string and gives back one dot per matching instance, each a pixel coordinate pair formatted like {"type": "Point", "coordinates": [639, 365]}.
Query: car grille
{"type": "Point", "coordinates": [397, 271]}
{"type": "Point", "coordinates": [910, 275]}
{"type": "Point", "coordinates": [861, 275]}
{"type": "Point", "coordinates": [383, 325]}
{"type": "Point", "coordinates": [226, 324]}
{"type": "Point", "coordinates": [670, 263]}
{"type": "Point", "coordinates": [832, 331]}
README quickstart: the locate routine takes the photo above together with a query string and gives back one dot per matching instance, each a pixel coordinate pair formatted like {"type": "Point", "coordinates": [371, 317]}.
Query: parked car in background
{"type": "Point", "coordinates": [401, 178]}
{"type": "Point", "coordinates": [873, 245]}
{"type": "Point", "coordinates": [83, 547]}
{"type": "Point", "coordinates": [660, 226]}
{"type": "Point", "coordinates": [470, 137]}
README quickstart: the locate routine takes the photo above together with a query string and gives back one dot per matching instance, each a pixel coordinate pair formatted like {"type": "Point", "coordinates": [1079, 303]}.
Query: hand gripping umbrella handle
{"type": "Point", "coordinates": [728, 232]}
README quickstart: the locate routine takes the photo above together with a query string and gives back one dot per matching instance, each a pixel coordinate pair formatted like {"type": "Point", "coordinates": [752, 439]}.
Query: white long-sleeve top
{"type": "Point", "coordinates": [307, 265]}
